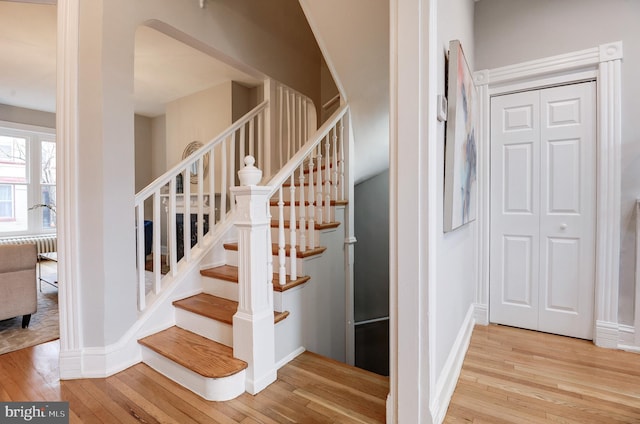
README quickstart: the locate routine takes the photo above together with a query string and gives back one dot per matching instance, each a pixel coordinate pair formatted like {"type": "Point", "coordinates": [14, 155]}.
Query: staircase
{"type": "Point", "coordinates": [236, 322]}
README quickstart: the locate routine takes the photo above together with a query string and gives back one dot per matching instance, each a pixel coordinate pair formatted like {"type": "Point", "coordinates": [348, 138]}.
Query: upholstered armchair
{"type": "Point", "coordinates": [18, 281]}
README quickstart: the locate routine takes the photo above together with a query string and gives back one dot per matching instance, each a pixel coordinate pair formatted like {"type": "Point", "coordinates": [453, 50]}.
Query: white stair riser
{"type": "Point", "coordinates": [220, 288]}
{"type": "Point", "coordinates": [206, 327]}
{"type": "Point", "coordinates": [287, 235]}
{"type": "Point", "coordinates": [275, 214]}
{"type": "Point", "coordinates": [214, 389]}
{"type": "Point", "coordinates": [232, 259]}
{"type": "Point", "coordinates": [286, 193]}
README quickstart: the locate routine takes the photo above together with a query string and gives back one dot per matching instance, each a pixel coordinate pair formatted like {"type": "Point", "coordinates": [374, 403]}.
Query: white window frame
{"type": "Point", "coordinates": [35, 135]}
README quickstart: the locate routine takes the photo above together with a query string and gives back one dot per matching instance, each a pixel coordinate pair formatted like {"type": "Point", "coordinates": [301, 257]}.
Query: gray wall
{"type": "Point", "coordinates": [371, 273]}
{"type": "Point", "coordinates": [371, 268]}
{"type": "Point", "coordinates": [513, 31]}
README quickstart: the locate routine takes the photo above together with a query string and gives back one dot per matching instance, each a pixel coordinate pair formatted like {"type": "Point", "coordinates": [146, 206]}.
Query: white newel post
{"type": "Point", "coordinates": [253, 327]}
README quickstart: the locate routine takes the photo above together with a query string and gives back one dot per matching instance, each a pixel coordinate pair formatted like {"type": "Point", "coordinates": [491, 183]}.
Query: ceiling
{"type": "Point", "coordinates": [165, 69]}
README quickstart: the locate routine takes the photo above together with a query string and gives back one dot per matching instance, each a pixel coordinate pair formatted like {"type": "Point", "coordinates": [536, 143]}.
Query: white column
{"type": "Point", "coordinates": [253, 327]}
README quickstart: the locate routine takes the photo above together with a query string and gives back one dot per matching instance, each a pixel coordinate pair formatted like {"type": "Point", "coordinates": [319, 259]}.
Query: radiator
{"type": "Point", "coordinates": [45, 243]}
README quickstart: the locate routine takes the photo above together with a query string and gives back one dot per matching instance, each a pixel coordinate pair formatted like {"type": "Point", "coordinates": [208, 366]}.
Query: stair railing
{"type": "Point", "coordinates": [294, 121]}
{"type": "Point", "coordinates": [318, 167]}
{"type": "Point", "coordinates": [195, 193]}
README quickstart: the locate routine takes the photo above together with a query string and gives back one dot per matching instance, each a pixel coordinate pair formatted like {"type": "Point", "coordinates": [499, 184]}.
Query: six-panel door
{"type": "Point", "coordinates": [543, 209]}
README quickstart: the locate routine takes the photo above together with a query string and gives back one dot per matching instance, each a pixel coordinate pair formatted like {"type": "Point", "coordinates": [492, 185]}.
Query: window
{"type": "Point", "coordinates": [27, 180]}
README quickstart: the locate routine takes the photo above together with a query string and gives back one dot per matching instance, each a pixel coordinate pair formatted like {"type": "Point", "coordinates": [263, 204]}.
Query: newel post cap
{"type": "Point", "coordinates": [249, 175]}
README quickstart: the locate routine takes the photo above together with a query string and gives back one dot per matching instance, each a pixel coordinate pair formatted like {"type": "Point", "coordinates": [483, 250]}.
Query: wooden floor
{"type": "Point", "coordinates": [310, 389]}
{"type": "Point", "coordinates": [518, 376]}
{"type": "Point", "coordinates": [509, 376]}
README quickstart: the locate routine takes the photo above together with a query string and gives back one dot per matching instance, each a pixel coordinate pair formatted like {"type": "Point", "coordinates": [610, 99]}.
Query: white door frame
{"type": "Point", "coordinates": [604, 64]}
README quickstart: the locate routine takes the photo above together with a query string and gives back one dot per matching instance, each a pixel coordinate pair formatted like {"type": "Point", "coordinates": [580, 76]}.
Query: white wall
{"type": "Point", "coordinates": [513, 31]}
{"type": "Point", "coordinates": [271, 37]}
{"type": "Point", "coordinates": [456, 250]}
{"type": "Point", "coordinates": [354, 37]}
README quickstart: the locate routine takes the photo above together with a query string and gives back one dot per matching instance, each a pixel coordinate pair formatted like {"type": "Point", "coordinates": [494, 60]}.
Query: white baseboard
{"type": "Point", "coordinates": [607, 334]}
{"type": "Point", "coordinates": [70, 364]}
{"type": "Point", "coordinates": [481, 313]}
{"type": "Point", "coordinates": [628, 339]}
{"type": "Point", "coordinates": [446, 383]}
{"type": "Point", "coordinates": [290, 357]}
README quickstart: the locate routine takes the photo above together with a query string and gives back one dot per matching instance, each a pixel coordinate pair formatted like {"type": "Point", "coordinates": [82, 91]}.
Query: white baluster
{"type": "Point", "coordinates": [292, 229]}
{"type": "Point", "coordinates": [280, 139]}
{"type": "Point", "coordinates": [200, 210]}
{"type": "Point", "coordinates": [140, 244]}
{"type": "Point", "coordinates": [334, 172]}
{"type": "Point", "coordinates": [312, 206]}
{"type": "Point", "coordinates": [157, 254]}
{"type": "Point", "coordinates": [341, 182]}
{"type": "Point", "coordinates": [212, 190]}
{"type": "Point", "coordinates": [232, 170]}
{"type": "Point", "coordinates": [327, 179]}
{"type": "Point", "coordinates": [242, 140]}
{"type": "Point", "coordinates": [299, 122]}
{"type": "Point", "coordinates": [319, 199]}
{"type": "Point", "coordinates": [223, 181]}
{"type": "Point", "coordinates": [251, 136]}
{"type": "Point", "coordinates": [282, 254]}
{"type": "Point", "coordinates": [288, 128]}
{"type": "Point", "coordinates": [186, 216]}
{"type": "Point", "coordinates": [172, 240]}
{"type": "Point", "coordinates": [302, 209]}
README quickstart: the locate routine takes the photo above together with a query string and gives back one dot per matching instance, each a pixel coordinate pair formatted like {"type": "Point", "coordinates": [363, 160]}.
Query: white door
{"type": "Point", "coordinates": [543, 176]}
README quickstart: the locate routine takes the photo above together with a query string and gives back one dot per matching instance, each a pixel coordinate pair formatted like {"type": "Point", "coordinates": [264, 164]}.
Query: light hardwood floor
{"type": "Point", "coordinates": [310, 389]}
{"type": "Point", "coordinates": [518, 376]}
{"type": "Point", "coordinates": [509, 376]}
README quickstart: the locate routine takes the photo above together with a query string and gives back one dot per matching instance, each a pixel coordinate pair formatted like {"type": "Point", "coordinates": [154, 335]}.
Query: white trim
{"type": "Point", "coordinates": [290, 357]}
{"type": "Point", "coordinates": [637, 304]}
{"type": "Point", "coordinates": [451, 370]}
{"type": "Point", "coordinates": [604, 62]}
{"type": "Point", "coordinates": [67, 189]}
{"type": "Point", "coordinates": [481, 314]}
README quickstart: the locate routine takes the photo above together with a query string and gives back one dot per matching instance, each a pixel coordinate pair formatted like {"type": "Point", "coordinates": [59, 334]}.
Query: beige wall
{"type": "Point", "coordinates": [21, 115]}
{"type": "Point", "coordinates": [198, 117]}
{"type": "Point", "coordinates": [143, 151]}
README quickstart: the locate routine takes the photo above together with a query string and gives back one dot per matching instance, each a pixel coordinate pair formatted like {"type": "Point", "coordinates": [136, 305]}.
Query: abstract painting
{"type": "Point", "coordinates": [460, 183]}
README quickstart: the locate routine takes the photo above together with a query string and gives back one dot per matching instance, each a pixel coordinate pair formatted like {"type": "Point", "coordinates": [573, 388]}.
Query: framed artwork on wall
{"type": "Point", "coordinates": [460, 181]}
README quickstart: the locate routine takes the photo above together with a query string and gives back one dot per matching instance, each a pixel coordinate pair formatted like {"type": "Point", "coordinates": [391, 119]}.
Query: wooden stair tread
{"type": "Point", "coordinates": [218, 308]}
{"type": "Point", "coordinates": [199, 354]}
{"type": "Point", "coordinates": [209, 306]}
{"type": "Point", "coordinates": [274, 250]}
{"type": "Point", "coordinates": [318, 226]}
{"type": "Point", "coordinates": [230, 273]}
{"type": "Point", "coordinates": [279, 316]}
{"type": "Point", "coordinates": [223, 272]}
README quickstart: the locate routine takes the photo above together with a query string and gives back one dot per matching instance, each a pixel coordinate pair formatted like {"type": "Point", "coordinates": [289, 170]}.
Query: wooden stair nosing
{"type": "Point", "coordinates": [196, 353]}
{"type": "Point", "coordinates": [318, 226]}
{"type": "Point", "coordinates": [274, 250]}
{"type": "Point", "coordinates": [217, 308]}
{"type": "Point", "coordinates": [230, 273]}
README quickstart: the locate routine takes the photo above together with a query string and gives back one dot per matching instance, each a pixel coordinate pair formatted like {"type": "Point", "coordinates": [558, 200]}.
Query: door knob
{"type": "Point", "coordinates": [563, 226]}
